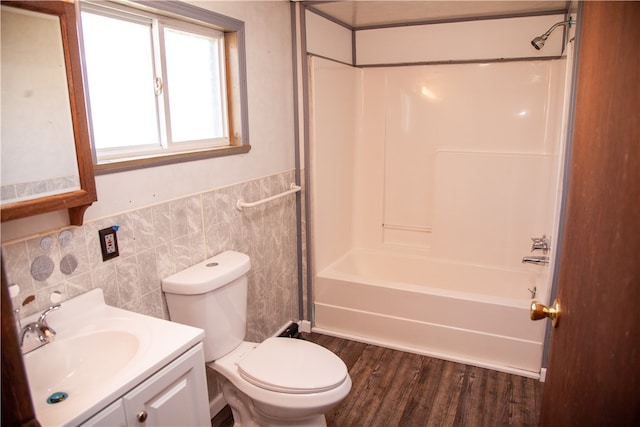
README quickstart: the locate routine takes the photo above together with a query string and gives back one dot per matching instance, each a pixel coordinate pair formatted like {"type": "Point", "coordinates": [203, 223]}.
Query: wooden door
{"type": "Point", "coordinates": [593, 375]}
{"type": "Point", "coordinates": [17, 408]}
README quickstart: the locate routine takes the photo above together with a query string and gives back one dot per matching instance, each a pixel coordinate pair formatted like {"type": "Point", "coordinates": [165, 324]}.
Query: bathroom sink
{"type": "Point", "coordinates": [79, 362]}
{"type": "Point", "coordinates": [99, 353]}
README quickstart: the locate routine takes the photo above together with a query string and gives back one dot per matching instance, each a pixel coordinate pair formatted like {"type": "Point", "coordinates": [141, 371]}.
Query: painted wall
{"type": "Point", "coordinates": [328, 39]}
{"type": "Point", "coordinates": [147, 203]}
{"type": "Point", "coordinates": [270, 89]}
{"type": "Point", "coordinates": [171, 217]}
{"type": "Point", "coordinates": [151, 205]}
{"type": "Point", "coordinates": [458, 41]}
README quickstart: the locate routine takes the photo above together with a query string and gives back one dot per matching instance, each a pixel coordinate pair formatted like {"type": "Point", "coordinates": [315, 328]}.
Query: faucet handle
{"type": "Point", "coordinates": [43, 317]}
{"type": "Point", "coordinates": [46, 334]}
{"type": "Point", "coordinates": [540, 243]}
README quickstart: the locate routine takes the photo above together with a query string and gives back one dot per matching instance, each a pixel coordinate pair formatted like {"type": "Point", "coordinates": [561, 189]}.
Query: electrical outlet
{"type": "Point", "coordinates": [108, 243]}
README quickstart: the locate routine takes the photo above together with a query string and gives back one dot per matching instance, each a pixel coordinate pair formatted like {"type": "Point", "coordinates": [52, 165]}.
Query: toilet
{"type": "Point", "coordinates": [279, 382]}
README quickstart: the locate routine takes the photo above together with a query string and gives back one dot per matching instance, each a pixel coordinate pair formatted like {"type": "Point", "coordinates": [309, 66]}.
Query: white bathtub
{"type": "Point", "coordinates": [465, 313]}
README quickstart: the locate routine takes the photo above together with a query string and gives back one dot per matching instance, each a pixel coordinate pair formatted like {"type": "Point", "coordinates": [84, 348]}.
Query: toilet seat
{"type": "Point", "coordinates": [293, 366]}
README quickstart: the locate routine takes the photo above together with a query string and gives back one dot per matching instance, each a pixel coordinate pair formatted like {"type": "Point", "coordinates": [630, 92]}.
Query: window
{"type": "Point", "coordinates": [162, 89]}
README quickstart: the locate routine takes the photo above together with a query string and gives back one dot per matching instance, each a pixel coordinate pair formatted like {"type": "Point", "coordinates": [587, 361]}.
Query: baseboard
{"type": "Point", "coordinates": [543, 374]}
{"type": "Point", "coordinates": [216, 405]}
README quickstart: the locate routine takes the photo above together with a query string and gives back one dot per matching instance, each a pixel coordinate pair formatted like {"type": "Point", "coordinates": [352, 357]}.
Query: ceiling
{"type": "Point", "coordinates": [363, 13]}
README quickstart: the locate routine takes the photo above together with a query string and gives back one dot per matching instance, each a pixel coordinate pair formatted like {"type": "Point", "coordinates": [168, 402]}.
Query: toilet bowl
{"type": "Point", "coordinates": [284, 381]}
{"type": "Point", "coordinates": [279, 382]}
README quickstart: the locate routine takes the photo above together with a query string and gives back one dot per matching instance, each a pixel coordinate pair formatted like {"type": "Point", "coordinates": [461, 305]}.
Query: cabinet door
{"type": "Point", "coordinates": [175, 396]}
{"type": "Point", "coordinates": [111, 416]}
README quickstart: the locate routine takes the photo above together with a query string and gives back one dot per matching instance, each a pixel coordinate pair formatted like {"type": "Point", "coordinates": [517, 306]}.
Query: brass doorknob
{"type": "Point", "coordinates": [540, 311]}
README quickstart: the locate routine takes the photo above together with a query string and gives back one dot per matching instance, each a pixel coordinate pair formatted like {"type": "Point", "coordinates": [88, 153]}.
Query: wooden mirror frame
{"type": "Point", "coordinates": [76, 201]}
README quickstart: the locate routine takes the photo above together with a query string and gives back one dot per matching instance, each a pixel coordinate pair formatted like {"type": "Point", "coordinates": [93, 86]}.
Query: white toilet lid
{"type": "Point", "coordinates": [291, 365]}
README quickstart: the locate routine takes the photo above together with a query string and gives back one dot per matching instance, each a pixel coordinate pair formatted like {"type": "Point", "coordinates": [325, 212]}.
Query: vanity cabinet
{"type": "Point", "coordinates": [174, 396]}
{"type": "Point", "coordinates": [113, 415]}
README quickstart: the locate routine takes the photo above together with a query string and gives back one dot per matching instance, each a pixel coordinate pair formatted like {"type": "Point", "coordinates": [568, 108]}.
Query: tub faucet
{"type": "Point", "coordinates": [44, 334]}
{"type": "Point", "coordinates": [539, 260]}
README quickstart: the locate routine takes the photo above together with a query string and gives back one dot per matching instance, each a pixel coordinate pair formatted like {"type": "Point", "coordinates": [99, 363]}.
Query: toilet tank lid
{"type": "Point", "coordinates": [208, 275]}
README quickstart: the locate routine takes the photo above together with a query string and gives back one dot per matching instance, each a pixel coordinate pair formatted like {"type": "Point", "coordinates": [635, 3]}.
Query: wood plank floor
{"type": "Point", "coordinates": [394, 388]}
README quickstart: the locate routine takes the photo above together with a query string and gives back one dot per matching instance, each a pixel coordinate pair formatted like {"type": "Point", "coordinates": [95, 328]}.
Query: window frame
{"type": "Point", "coordinates": [235, 83]}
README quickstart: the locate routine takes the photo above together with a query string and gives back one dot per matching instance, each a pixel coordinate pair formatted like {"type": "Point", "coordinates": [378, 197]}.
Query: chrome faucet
{"type": "Point", "coordinates": [42, 331]}
{"type": "Point", "coordinates": [540, 260]}
{"type": "Point", "coordinates": [540, 243]}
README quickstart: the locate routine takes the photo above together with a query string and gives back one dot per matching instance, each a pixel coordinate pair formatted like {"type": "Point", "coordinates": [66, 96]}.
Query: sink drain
{"type": "Point", "coordinates": [57, 397]}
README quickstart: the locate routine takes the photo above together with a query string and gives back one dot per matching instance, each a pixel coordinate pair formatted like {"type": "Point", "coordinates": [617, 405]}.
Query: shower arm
{"type": "Point", "coordinates": [546, 35]}
{"type": "Point", "coordinates": [538, 42]}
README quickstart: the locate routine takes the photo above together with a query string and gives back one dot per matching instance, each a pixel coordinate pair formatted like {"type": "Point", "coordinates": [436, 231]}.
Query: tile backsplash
{"type": "Point", "coordinates": [159, 240]}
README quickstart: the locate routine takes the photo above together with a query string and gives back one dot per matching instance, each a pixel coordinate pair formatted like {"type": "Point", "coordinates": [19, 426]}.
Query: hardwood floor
{"type": "Point", "coordinates": [394, 388]}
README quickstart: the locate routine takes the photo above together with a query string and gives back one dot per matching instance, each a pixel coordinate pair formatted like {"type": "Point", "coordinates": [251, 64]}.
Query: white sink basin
{"type": "Point", "coordinates": [79, 362]}
{"type": "Point", "coordinates": [99, 353]}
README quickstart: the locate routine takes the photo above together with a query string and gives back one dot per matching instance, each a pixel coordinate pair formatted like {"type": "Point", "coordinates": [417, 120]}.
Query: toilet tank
{"type": "Point", "coordinates": [212, 295]}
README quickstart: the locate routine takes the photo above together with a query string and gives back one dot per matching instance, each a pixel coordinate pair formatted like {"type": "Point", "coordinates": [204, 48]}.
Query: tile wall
{"type": "Point", "coordinates": [159, 240]}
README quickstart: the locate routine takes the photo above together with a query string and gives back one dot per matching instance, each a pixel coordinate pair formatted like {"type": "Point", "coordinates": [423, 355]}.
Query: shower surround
{"type": "Point", "coordinates": [428, 183]}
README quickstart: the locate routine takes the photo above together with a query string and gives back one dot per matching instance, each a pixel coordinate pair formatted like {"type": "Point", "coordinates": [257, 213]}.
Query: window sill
{"type": "Point", "coordinates": [167, 159]}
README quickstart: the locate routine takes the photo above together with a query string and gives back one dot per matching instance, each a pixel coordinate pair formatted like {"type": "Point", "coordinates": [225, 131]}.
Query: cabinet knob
{"type": "Point", "coordinates": [142, 416]}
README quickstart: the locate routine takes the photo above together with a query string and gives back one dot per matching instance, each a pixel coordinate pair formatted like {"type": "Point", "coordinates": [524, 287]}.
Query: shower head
{"type": "Point", "coordinates": [538, 42]}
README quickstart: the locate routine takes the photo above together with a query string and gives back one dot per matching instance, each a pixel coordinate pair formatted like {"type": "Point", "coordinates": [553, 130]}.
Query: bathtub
{"type": "Point", "coordinates": [460, 312]}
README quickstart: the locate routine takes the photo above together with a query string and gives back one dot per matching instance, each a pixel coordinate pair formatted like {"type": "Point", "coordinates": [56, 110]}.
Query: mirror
{"type": "Point", "coordinates": [46, 158]}
{"type": "Point", "coordinates": [36, 116]}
